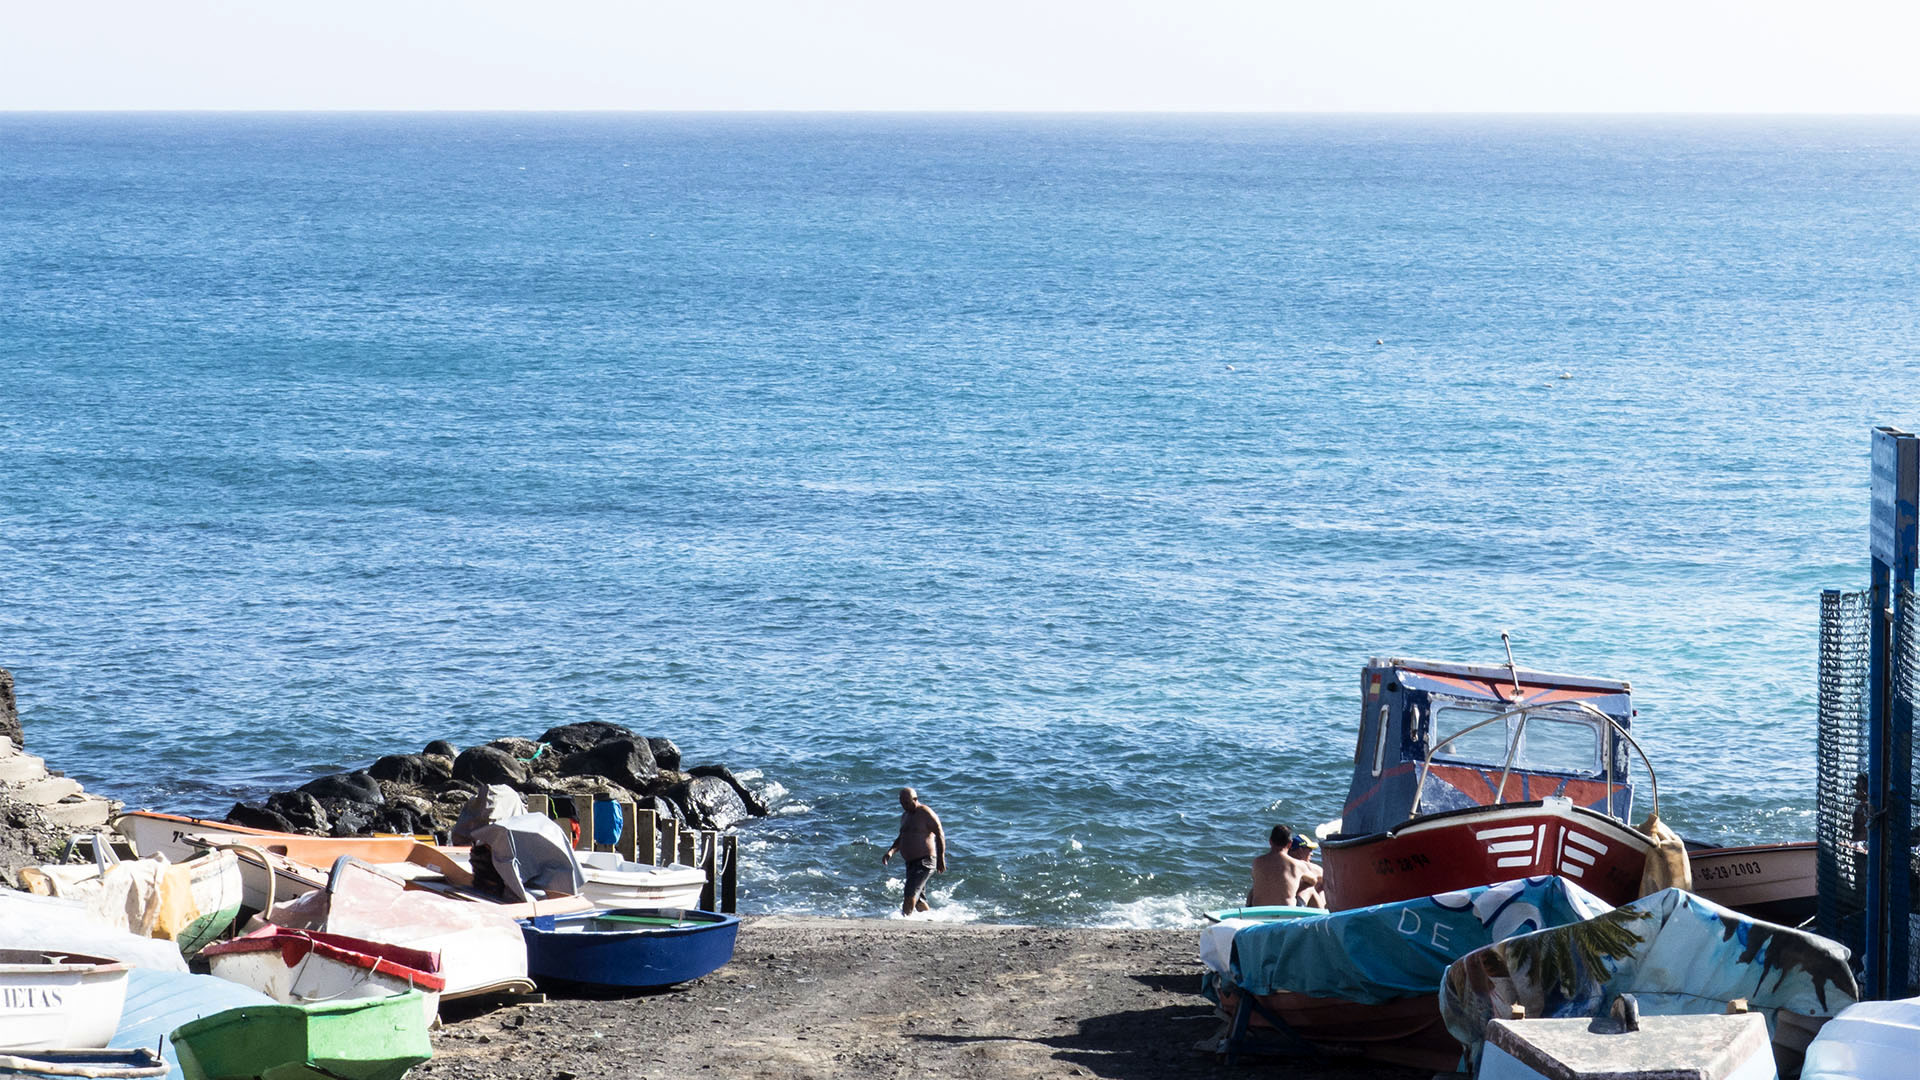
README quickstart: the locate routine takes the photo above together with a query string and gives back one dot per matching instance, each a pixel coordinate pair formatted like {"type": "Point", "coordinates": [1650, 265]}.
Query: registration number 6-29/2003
{"type": "Point", "coordinates": [1724, 871]}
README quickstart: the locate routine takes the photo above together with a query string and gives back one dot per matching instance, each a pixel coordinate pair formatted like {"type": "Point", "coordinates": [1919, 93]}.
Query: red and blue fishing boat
{"type": "Point", "coordinates": [1469, 774]}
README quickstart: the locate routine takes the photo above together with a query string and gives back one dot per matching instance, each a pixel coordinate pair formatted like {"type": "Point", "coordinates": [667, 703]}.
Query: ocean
{"type": "Point", "coordinates": [1065, 468]}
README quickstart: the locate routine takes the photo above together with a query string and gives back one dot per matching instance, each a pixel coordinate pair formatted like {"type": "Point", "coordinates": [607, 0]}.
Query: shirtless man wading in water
{"type": "Point", "coordinates": [922, 845]}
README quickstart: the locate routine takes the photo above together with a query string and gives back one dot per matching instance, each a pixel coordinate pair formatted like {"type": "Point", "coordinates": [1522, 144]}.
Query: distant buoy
{"type": "Point", "coordinates": [1566, 374]}
{"type": "Point", "coordinates": [1379, 341]}
{"type": "Point", "coordinates": [1229, 367]}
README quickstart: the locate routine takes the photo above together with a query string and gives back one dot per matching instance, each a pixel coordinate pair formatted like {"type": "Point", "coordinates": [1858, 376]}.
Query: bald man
{"type": "Point", "coordinates": [922, 845]}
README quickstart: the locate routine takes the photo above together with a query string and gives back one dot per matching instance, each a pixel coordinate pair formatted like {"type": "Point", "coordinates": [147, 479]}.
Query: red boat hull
{"type": "Point", "coordinates": [1461, 849]}
{"type": "Point", "coordinates": [1404, 1031]}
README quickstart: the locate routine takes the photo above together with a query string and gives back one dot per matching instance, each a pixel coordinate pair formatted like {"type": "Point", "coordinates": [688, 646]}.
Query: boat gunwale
{"type": "Point", "coordinates": [1423, 822]}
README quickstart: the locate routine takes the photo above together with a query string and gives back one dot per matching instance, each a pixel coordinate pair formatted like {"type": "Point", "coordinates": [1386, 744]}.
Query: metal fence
{"type": "Point", "coordinates": [1841, 798]}
{"type": "Point", "coordinates": [1904, 674]}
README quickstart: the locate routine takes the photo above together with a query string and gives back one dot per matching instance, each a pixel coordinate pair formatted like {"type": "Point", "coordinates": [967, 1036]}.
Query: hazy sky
{"type": "Point", "coordinates": [1330, 55]}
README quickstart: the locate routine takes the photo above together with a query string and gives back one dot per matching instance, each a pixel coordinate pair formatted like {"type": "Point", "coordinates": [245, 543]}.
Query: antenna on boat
{"type": "Point", "coordinates": [1511, 669]}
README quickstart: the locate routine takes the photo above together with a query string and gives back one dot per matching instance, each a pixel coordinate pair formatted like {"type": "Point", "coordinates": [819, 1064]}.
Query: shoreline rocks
{"type": "Point", "coordinates": [423, 792]}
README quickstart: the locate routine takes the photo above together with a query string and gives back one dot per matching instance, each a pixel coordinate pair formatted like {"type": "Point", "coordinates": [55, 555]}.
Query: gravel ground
{"type": "Point", "coordinates": [815, 997]}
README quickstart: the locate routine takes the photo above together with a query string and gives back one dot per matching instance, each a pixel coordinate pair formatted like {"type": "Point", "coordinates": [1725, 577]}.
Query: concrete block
{"type": "Point", "coordinates": [86, 812]}
{"type": "Point", "coordinates": [45, 791]}
{"type": "Point", "coordinates": [20, 768]}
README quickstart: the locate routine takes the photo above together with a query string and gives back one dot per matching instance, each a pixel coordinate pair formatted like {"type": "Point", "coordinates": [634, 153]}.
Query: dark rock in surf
{"type": "Point", "coordinates": [253, 816]}
{"type": "Point", "coordinates": [417, 770]}
{"type": "Point", "coordinates": [442, 748]}
{"type": "Point", "coordinates": [489, 765]}
{"type": "Point", "coordinates": [354, 819]}
{"type": "Point", "coordinates": [664, 752]}
{"type": "Point", "coordinates": [303, 812]}
{"type": "Point", "coordinates": [352, 787]}
{"type": "Point", "coordinates": [625, 761]}
{"type": "Point", "coordinates": [712, 803]}
{"type": "Point", "coordinates": [525, 751]}
{"type": "Point", "coordinates": [570, 739]}
{"type": "Point", "coordinates": [753, 803]}
{"type": "Point", "coordinates": [403, 819]}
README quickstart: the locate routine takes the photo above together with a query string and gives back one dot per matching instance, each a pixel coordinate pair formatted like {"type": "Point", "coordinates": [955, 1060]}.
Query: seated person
{"type": "Point", "coordinates": [1286, 874]}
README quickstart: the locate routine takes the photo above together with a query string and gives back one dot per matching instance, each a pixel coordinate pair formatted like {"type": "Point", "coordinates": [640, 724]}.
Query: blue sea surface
{"type": "Point", "coordinates": [1068, 469]}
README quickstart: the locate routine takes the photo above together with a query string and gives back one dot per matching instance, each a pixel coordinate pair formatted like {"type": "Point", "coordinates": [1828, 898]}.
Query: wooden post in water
{"type": "Point", "coordinates": [583, 813]}
{"type": "Point", "coordinates": [646, 836]}
{"type": "Point", "coordinates": [669, 840]}
{"type": "Point", "coordinates": [629, 830]}
{"type": "Point", "coordinates": [730, 877]}
{"type": "Point", "coordinates": [689, 848]}
{"type": "Point", "coordinates": [710, 844]}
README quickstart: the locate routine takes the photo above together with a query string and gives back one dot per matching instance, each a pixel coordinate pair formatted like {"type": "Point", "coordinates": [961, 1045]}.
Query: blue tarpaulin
{"type": "Point", "coordinates": [1376, 954]}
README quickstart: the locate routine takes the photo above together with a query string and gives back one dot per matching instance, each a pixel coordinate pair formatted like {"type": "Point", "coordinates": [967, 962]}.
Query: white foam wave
{"type": "Point", "coordinates": [1157, 912]}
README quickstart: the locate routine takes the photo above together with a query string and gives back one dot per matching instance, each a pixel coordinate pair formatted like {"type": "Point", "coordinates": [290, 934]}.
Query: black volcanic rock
{"type": "Point", "coordinates": [748, 799]}
{"type": "Point", "coordinates": [253, 816]}
{"type": "Point", "coordinates": [353, 787]}
{"type": "Point", "coordinates": [573, 738]}
{"type": "Point", "coordinates": [417, 770]}
{"type": "Point", "coordinates": [712, 803]}
{"type": "Point", "coordinates": [302, 811]}
{"type": "Point", "coordinates": [627, 762]}
{"type": "Point", "coordinates": [489, 765]}
{"type": "Point", "coordinates": [665, 753]}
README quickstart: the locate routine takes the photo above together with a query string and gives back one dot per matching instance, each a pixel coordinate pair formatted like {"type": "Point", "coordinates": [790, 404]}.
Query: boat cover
{"type": "Point", "coordinates": [495, 802]}
{"type": "Point", "coordinates": [160, 1001]}
{"type": "Point", "coordinates": [1677, 953]}
{"type": "Point", "coordinates": [1376, 954]}
{"type": "Point", "coordinates": [530, 851]}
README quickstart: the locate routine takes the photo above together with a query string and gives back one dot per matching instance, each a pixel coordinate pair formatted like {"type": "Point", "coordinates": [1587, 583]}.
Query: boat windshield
{"type": "Point", "coordinates": [1551, 740]}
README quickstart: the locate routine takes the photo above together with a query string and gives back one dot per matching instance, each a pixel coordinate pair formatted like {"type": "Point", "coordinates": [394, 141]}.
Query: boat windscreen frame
{"type": "Point", "coordinates": [1523, 711]}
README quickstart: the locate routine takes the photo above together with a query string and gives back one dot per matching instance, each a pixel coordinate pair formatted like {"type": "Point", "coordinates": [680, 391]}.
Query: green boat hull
{"type": "Point", "coordinates": [355, 1039]}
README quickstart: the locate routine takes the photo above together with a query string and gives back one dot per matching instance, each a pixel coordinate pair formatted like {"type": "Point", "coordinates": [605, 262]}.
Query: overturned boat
{"type": "Point", "coordinates": [1467, 774]}
{"type": "Point", "coordinates": [1676, 953]}
{"type": "Point", "coordinates": [1366, 980]}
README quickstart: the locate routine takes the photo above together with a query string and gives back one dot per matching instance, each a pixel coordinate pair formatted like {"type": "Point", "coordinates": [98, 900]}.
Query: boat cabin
{"type": "Point", "coordinates": [1436, 737]}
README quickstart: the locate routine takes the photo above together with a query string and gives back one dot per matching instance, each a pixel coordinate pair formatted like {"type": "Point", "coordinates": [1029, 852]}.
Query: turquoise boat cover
{"type": "Point", "coordinates": [160, 1001]}
{"type": "Point", "coordinates": [1675, 952]}
{"type": "Point", "coordinates": [1376, 954]}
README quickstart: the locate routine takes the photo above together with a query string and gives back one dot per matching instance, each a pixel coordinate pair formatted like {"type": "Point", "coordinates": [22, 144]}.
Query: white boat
{"type": "Point", "coordinates": [616, 883]}
{"type": "Point", "coordinates": [50, 999]}
{"type": "Point", "coordinates": [1772, 882]}
{"type": "Point", "coordinates": [481, 948]}
{"type": "Point", "coordinates": [1873, 1040]}
{"type": "Point", "coordinates": [303, 966]}
{"type": "Point", "coordinates": [1701, 1047]}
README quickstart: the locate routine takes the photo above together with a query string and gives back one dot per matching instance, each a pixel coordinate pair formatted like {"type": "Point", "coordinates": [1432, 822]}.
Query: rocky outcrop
{"type": "Point", "coordinates": [10, 712]}
{"type": "Point", "coordinates": [424, 792]}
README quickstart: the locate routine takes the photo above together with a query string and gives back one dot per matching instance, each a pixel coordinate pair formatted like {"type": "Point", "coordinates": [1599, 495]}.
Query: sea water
{"type": "Point", "coordinates": [1067, 469]}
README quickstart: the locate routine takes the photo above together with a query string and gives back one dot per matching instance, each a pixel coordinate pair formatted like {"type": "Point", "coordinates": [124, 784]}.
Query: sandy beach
{"type": "Point", "coordinates": [819, 997]}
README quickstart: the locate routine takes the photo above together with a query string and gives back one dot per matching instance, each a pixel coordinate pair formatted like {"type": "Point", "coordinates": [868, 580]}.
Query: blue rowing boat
{"type": "Point", "coordinates": [629, 947]}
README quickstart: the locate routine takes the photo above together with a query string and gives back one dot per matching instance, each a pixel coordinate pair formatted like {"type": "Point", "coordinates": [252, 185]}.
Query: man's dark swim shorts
{"type": "Point", "coordinates": [918, 871]}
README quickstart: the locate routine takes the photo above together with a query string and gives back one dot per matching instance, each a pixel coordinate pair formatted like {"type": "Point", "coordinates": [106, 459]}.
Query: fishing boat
{"type": "Point", "coordinates": [301, 966]}
{"type": "Point", "coordinates": [57, 999]}
{"type": "Point", "coordinates": [1366, 980]}
{"type": "Point", "coordinates": [637, 948]}
{"type": "Point", "coordinates": [357, 1039]}
{"type": "Point", "coordinates": [1675, 952]}
{"type": "Point", "coordinates": [480, 947]}
{"type": "Point", "coordinates": [1467, 774]}
{"type": "Point", "coordinates": [1776, 883]}
{"type": "Point", "coordinates": [1711, 1047]}
{"type": "Point", "coordinates": [137, 1064]}
{"type": "Point", "coordinates": [613, 882]}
